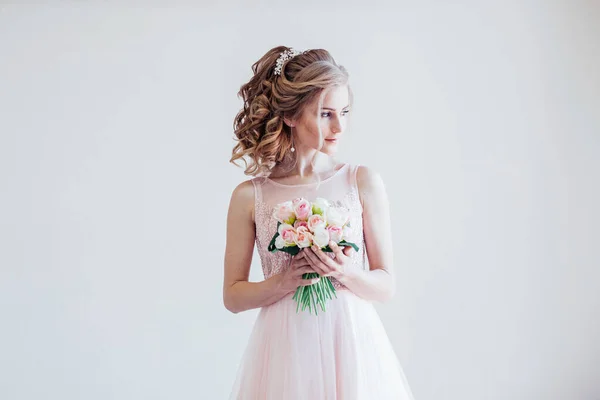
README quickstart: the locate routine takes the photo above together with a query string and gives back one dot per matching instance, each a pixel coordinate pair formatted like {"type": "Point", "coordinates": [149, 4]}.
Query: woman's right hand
{"type": "Point", "coordinates": [291, 277]}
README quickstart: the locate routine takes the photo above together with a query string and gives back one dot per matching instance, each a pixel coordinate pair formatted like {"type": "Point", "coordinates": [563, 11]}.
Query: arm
{"type": "Point", "coordinates": [239, 294]}
{"type": "Point", "coordinates": [379, 282]}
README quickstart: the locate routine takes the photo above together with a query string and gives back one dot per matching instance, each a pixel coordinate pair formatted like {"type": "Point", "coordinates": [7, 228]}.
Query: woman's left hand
{"type": "Point", "coordinates": [325, 265]}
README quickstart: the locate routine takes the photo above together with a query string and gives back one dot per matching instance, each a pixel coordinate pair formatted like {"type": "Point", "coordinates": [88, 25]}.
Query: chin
{"type": "Point", "coordinates": [330, 148]}
{"type": "Point", "coordinates": [329, 152]}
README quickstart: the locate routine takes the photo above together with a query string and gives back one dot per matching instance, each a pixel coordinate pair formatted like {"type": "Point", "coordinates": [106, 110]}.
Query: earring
{"type": "Point", "coordinates": [292, 133]}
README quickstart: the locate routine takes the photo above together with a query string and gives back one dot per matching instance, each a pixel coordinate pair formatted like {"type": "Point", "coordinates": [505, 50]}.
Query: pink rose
{"type": "Point", "coordinates": [288, 234]}
{"type": "Point", "coordinates": [302, 208]}
{"type": "Point", "coordinates": [284, 213]}
{"type": "Point", "coordinates": [303, 237]}
{"type": "Point", "coordinates": [335, 233]}
{"type": "Point", "coordinates": [315, 221]}
{"type": "Point", "coordinates": [299, 223]}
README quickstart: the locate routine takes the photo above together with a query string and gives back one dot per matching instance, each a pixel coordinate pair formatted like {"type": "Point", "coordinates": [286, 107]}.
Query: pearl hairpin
{"type": "Point", "coordinates": [283, 57]}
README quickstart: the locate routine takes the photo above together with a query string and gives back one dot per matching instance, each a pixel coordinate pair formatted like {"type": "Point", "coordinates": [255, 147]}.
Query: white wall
{"type": "Point", "coordinates": [115, 134]}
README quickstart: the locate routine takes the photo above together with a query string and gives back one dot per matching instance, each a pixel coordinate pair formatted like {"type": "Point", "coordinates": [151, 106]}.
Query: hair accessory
{"type": "Point", "coordinates": [283, 57]}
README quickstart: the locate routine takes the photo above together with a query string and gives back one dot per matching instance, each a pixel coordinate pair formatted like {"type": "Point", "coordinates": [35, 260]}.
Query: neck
{"type": "Point", "coordinates": [307, 164]}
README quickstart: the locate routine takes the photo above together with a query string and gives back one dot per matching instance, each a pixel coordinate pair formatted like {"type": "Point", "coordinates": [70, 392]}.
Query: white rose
{"type": "Point", "coordinates": [347, 235]}
{"type": "Point", "coordinates": [337, 217]}
{"type": "Point", "coordinates": [335, 233]}
{"type": "Point", "coordinates": [279, 242]}
{"type": "Point", "coordinates": [320, 206]}
{"type": "Point", "coordinates": [321, 237]}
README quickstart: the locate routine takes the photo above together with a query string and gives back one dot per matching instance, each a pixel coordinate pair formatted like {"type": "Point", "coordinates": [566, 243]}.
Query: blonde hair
{"type": "Point", "coordinates": [263, 139]}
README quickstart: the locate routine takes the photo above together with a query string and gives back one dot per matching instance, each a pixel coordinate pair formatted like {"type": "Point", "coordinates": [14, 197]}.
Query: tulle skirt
{"type": "Point", "coordinates": [343, 353]}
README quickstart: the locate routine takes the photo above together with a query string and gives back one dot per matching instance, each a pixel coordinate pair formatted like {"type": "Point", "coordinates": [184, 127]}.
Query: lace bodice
{"type": "Point", "coordinates": [340, 189]}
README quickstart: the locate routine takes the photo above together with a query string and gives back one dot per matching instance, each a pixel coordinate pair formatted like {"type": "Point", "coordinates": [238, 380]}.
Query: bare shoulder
{"type": "Point", "coordinates": [245, 190]}
{"type": "Point", "coordinates": [242, 198]}
{"type": "Point", "coordinates": [369, 182]}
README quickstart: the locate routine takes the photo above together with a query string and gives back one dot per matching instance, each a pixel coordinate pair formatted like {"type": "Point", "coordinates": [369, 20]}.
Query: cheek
{"type": "Point", "coordinates": [310, 133]}
{"type": "Point", "coordinates": [313, 132]}
{"type": "Point", "coordinates": [311, 127]}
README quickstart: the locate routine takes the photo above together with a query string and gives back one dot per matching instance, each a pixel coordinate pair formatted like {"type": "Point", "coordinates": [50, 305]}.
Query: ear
{"type": "Point", "coordinates": [289, 122]}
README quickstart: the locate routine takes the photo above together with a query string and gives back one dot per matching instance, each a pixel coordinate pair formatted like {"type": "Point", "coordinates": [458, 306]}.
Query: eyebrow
{"type": "Point", "coordinates": [333, 109]}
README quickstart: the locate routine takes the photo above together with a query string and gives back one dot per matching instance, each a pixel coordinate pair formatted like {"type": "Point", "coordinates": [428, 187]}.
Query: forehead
{"type": "Point", "coordinates": [336, 97]}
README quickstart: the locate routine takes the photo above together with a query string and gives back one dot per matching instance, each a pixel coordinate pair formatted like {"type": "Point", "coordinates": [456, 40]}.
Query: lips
{"type": "Point", "coordinates": [331, 140]}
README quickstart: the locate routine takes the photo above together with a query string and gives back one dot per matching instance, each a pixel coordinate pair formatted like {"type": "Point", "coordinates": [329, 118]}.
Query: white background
{"type": "Point", "coordinates": [115, 134]}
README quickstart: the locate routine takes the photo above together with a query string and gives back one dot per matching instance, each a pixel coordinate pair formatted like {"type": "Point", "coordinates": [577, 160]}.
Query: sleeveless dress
{"type": "Point", "coordinates": [342, 353]}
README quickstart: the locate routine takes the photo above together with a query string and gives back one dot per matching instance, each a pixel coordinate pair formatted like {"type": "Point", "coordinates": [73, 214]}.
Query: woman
{"type": "Point", "coordinates": [295, 112]}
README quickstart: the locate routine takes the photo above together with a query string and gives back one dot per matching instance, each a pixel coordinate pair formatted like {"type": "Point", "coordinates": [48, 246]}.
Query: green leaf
{"type": "Point", "coordinates": [344, 243]}
{"type": "Point", "coordinates": [293, 250]}
{"type": "Point", "coordinates": [299, 299]}
{"type": "Point", "coordinates": [272, 247]}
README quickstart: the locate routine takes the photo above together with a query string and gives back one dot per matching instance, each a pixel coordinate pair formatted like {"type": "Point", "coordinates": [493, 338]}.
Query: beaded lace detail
{"type": "Point", "coordinates": [268, 194]}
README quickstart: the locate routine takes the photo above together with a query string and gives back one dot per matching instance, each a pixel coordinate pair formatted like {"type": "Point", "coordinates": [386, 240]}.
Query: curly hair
{"type": "Point", "coordinates": [263, 139]}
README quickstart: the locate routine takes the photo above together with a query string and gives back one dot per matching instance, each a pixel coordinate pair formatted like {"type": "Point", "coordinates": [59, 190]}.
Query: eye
{"type": "Point", "coordinates": [328, 114]}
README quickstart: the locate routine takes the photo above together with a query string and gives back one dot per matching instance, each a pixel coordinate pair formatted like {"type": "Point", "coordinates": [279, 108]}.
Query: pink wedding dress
{"type": "Point", "coordinates": [341, 354]}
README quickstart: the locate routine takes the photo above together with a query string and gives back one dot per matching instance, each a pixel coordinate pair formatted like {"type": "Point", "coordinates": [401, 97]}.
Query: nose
{"type": "Point", "coordinates": [336, 126]}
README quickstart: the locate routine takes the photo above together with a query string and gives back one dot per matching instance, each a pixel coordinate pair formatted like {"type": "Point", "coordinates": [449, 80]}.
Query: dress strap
{"type": "Point", "coordinates": [257, 182]}
{"type": "Point", "coordinates": [353, 179]}
{"type": "Point", "coordinates": [354, 175]}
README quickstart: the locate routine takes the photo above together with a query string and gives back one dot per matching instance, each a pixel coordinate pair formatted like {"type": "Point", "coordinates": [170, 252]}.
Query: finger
{"type": "Point", "coordinates": [324, 258]}
{"type": "Point", "coordinates": [305, 270]}
{"type": "Point", "coordinates": [300, 255]}
{"type": "Point", "coordinates": [337, 250]}
{"type": "Point", "coordinates": [316, 263]}
{"type": "Point", "coordinates": [300, 263]}
{"type": "Point", "coordinates": [308, 282]}
{"type": "Point", "coordinates": [348, 250]}
{"type": "Point", "coordinates": [303, 265]}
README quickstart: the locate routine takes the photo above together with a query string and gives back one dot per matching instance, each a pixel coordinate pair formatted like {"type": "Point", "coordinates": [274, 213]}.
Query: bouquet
{"type": "Point", "coordinates": [301, 224]}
